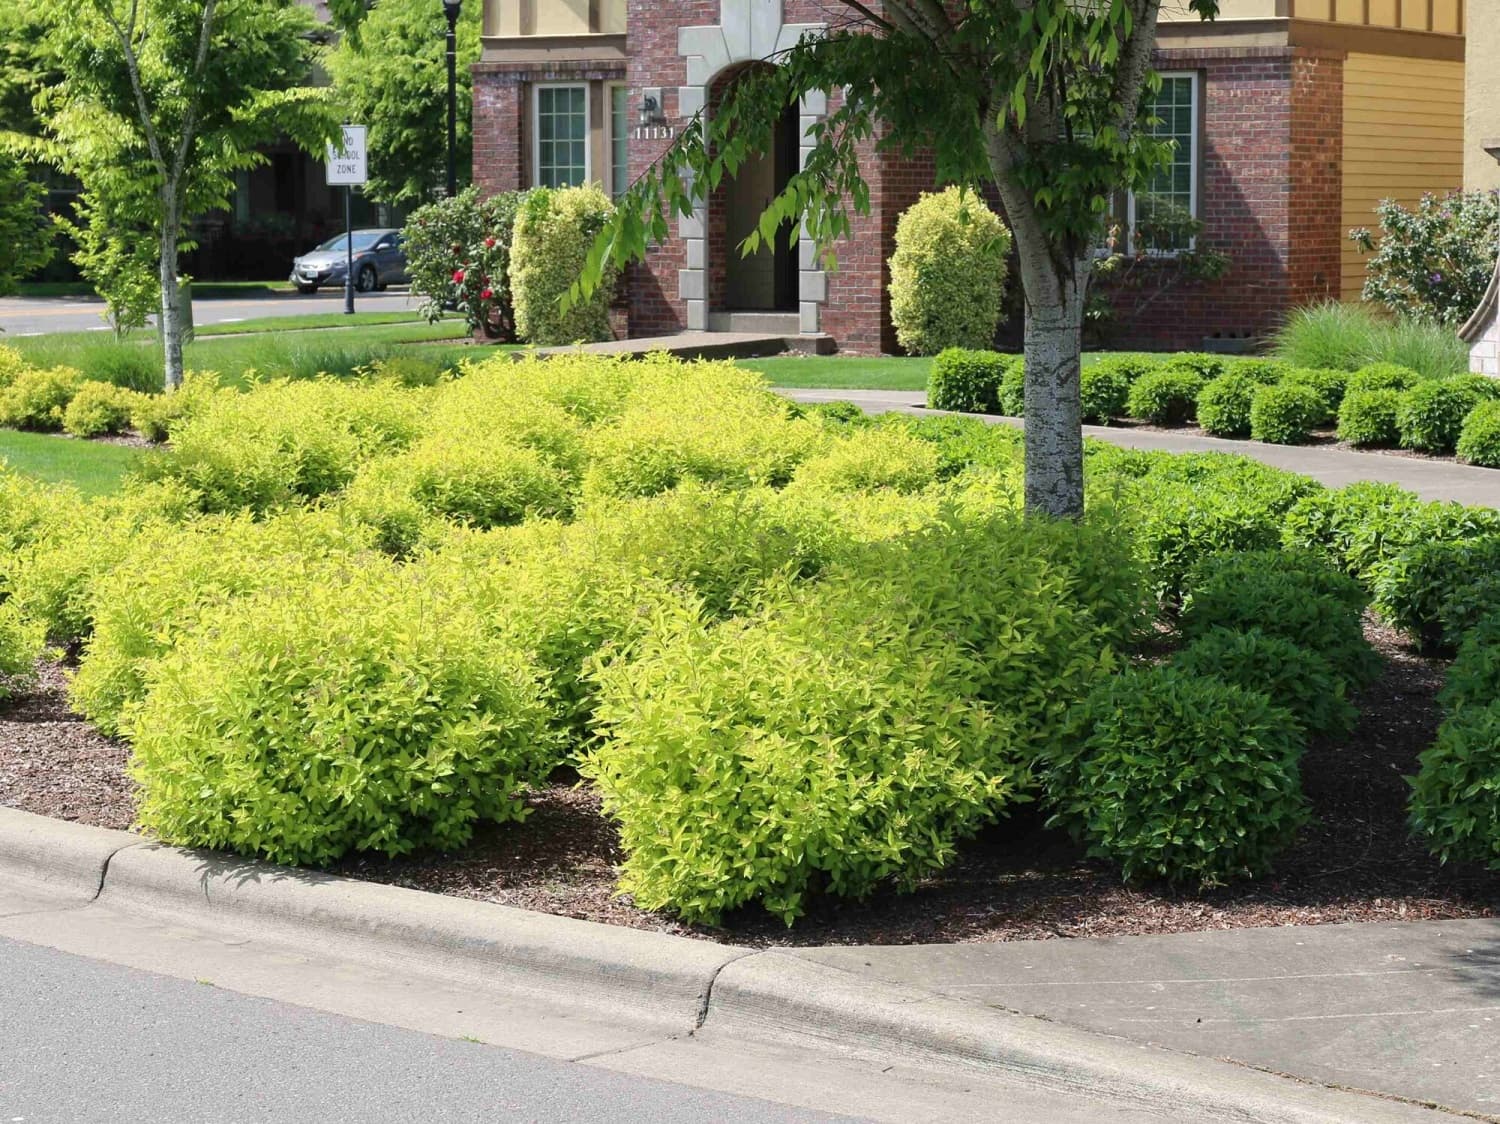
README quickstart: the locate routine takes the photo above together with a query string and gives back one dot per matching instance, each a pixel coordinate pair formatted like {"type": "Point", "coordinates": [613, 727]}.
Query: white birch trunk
{"type": "Point", "coordinates": [1054, 421]}
{"type": "Point", "coordinates": [171, 303]}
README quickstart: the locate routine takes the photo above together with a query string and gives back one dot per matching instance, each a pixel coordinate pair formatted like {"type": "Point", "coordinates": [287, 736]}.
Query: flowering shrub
{"type": "Point", "coordinates": [458, 256]}
{"type": "Point", "coordinates": [1433, 261]}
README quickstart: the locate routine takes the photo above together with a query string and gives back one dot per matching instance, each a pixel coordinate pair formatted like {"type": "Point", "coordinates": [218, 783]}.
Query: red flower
{"type": "Point", "coordinates": [486, 294]}
{"type": "Point", "coordinates": [489, 243]}
{"type": "Point", "coordinates": [458, 277]}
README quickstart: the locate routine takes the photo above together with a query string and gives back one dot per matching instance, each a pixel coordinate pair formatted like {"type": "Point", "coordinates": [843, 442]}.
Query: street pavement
{"type": "Point", "coordinates": [1429, 478]}
{"type": "Point", "coordinates": [30, 316]}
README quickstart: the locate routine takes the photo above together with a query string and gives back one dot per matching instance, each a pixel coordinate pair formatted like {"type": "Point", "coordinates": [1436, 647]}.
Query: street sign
{"type": "Point", "coordinates": [348, 166]}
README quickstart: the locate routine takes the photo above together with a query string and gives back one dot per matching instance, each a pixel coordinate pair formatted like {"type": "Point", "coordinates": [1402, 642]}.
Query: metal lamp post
{"type": "Point", "coordinates": [450, 9]}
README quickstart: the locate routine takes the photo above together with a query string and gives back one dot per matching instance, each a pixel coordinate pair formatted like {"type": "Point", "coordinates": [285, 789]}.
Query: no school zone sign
{"type": "Point", "coordinates": [347, 163]}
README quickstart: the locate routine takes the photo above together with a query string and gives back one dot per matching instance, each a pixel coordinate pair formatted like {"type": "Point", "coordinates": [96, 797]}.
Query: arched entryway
{"type": "Point", "coordinates": [765, 281]}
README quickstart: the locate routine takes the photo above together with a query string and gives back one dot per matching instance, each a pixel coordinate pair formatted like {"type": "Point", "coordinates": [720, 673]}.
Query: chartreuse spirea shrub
{"type": "Point", "coordinates": [1429, 587]}
{"type": "Point", "coordinates": [1479, 440]}
{"type": "Point", "coordinates": [38, 397]}
{"type": "Point", "coordinates": [155, 415]}
{"type": "Point", "coordinates": [966, 380]}
{"type": "Point", "coordinates": [1166, 396]}
{"type": "Point", "coordinates": [1369, 418]}
{"type": "Point", "coordinates": [22, 642]}
{"type": "Point", "coordinates": [948, 273]}
{"type": "Point", "coordinates": [1383, 376]}
{"type": "Point", "coordinates": [1314, 610]}
{"type": "Point", "coordinates": [1177, 777]}
{"type": "Point", "coordinates": [100, 408]}
{"type": "Point", "coordinates": [12, 364]}
{"type": "Point", "coordinates": [884, 458]}
{"type": "Point", "coordinates": [1298, 679]}
{"type": "Point", "coordinates": [1224, 405]}
{"type": "Point", "coordinates": [1430, 416]}
{"type": "Point", "coordinates": [555, 228]}
{"type": "Point", "coordinates": [1455, 801]}
{"type": "Point", "coordinates": [360, 715]}
{"type": "Point", "coordinates": [962, 444]}
{"type": "Point", "coordinates": [1285, 414]}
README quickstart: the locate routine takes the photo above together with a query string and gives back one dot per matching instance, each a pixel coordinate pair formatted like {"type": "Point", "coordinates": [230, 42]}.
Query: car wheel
{"type": "Point", "coordinates": [365, 279]}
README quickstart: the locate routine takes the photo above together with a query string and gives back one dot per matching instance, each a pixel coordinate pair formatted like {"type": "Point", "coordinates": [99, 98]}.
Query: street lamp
{"type": "Point", "coordinates": [450, 9]}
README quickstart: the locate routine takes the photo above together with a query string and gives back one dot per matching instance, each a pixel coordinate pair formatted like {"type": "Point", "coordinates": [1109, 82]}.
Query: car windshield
{"type": "Point", "coordinates": [363, 240]}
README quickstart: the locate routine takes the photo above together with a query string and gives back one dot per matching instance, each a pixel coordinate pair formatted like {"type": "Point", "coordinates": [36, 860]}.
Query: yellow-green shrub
{"type": "Point", "coordinates": [871, 459]}
{"type": "Point", "coordinates": [22, 642]}
{"type": "Point", "coordinates": [155, 415]}
{"type": "Point", "coordinates": [100, 408]}
{"type": "Point", "coordinates": [591, 388]}
{"type": "Point", "coordinates": [554, 232]}
{"type": "Point", "coordinates": [948, 273]}
{"type": "Point", "coordinates": [12, 364]}
{"type": "Point", "coordinates": [37, 397]}
{"type": "Point", "coordinates": [363, 714]}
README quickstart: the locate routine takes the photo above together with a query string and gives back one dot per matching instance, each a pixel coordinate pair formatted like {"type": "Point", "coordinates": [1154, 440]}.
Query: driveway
{"type": "Point", "coordinates": [35, 316]}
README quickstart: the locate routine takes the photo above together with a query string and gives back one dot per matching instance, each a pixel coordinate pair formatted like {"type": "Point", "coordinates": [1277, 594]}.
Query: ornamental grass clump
{"type": "Point", "coordinates": [1286, 413]}
{"type": "Point", "coordinates": [948, 273]}
{"type": "Point", "coordinates": [1166, 396]}
{"type": "Point", "coordinates": [1178, 777]}
{"type": "Point", "coordinates": [966, 380]}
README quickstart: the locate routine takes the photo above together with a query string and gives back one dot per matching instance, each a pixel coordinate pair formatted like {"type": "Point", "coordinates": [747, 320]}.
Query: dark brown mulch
{"type": "Point", "coordinates": [1356, 862]}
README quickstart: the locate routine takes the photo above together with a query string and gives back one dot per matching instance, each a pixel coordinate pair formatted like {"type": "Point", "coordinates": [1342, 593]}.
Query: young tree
{"type": "Point", "coordinates": [162, 101]}
{"type": "Point", "coordinates": [24, 230]}
{"type": "Point", "coordinates": [1041, 98]}
{"type": "Point", "coordinates": [390, 72]}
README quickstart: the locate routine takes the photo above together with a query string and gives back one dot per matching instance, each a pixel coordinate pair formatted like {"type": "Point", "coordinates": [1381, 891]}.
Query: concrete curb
{"type": "Point", "coordinates": [677, 984]}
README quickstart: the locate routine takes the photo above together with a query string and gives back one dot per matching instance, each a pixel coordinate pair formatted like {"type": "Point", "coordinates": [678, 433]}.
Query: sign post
{"type": "Point", "coordinates": [348, 167]}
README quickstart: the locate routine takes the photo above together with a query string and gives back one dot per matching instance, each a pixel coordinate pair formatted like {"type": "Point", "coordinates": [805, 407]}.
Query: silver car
{"type": "Point", "coordinates": [378, 261]}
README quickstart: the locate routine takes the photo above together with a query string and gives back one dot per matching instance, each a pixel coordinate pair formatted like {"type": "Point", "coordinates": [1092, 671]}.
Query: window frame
{"type": "Point", "coordinates": [1195, 170]}
{"type": "Point", "coordinates": [536, 129]}
{"type": "Point", "coordinates": [613, 189]}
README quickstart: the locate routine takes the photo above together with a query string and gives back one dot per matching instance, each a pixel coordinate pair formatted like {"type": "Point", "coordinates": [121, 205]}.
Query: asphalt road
{"type": "Point", "coordinates": [29, 316]}
{"type": "Point", "coordinates": [87, 1041]}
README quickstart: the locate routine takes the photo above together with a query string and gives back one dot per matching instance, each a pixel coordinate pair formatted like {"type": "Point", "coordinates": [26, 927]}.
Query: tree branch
{"type": "Point", "coordinates": [133, 68]}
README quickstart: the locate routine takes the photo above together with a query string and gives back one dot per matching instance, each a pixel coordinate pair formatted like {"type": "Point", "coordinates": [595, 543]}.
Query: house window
{"type": "Point", "coordinates": [619, 140]}
{"type": "Point", "coordinates": [1162, 216]}
{"type": "Point", "coordinates": [562, 136]}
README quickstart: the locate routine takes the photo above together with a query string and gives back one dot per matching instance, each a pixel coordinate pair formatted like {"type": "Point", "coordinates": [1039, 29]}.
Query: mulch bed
{"type": "Point", "coordinates": [1015, 882]}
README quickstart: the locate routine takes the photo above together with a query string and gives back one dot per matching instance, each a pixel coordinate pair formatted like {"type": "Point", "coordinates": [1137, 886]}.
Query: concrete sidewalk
{"type": "Point", "coordinates": [1407, 1010]}
{"type": "Point", "coordinates": [1430, 479]}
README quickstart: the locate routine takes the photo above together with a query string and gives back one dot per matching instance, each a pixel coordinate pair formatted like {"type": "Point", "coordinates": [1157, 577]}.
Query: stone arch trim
{"type": "Point", "coordinates": [747, 31]}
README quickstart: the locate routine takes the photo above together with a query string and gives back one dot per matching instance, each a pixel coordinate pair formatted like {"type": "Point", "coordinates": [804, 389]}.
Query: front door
{"type": "Point", "coordinates": [765, 281]}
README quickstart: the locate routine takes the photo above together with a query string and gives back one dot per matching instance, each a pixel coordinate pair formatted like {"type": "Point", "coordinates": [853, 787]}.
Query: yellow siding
{"type": "Point", "coordinates": [1403, 135]}
{"type": "Point", "coordinates": [1412, 15]}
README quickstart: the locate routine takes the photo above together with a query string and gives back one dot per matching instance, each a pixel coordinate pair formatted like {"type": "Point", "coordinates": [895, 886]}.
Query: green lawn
{"type": "Point", "coordinates": [202, 289]}
{"type": "Point", "coordinates": [327, 321]}
{"type": "Point", "coordinates": [853, 372]}
{"type": "Point", "coordinates": [94, 468]}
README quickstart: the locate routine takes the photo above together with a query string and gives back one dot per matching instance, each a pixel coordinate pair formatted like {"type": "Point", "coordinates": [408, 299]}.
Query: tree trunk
{"type": "Point", "coordinates": [1054, 421]}
{"type": "Point", "coordinates": [171, 302]}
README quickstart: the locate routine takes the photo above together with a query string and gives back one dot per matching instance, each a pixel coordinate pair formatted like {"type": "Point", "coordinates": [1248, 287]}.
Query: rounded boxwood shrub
{"type": "Point", "coordinates": [1329, 384]}
{"type": "Point", "coordinates": [1383, 376]}
{"type": "Point", "coordinates": [1266, 372]}
{"type": "Point", "coordinates": [554, 231]}
{"type": "Point", "coordinates": [100, 408]}
{"type": "Point", "coordinates": [1224, 405]}
{"type": "Point", "coordinates": [37, 398]}
{"type": "Point", "coordinates": [348, 716]}
{"type": "Point", "coordinates": [1479, 440]}
{"type": "Point", "coordinates": [948, 273]}
{"type": "Point", "coordinates": [1173, 776]}
{"type": "Point", "coordinates": [1013, 388]}
{"type": "Point", "coordinates": [1202, 363]}
{"type": "Point", "coordinates": [1104, 389]}
{"type": "Point", "coordinates": [1297, 679]}
{"type": "Point", "coordinates": [1455, 801]}
{"type": "Point", "coordinates": [1430, 416]}
{"type": "Point", "coordinates": [1285, 414]}
{"type": "Point", "coordinates": [1367, 418]}
{"type": "Point", "coordinates": [966, 381]}
{"type": "Point", "coordinates": [1166, 396]}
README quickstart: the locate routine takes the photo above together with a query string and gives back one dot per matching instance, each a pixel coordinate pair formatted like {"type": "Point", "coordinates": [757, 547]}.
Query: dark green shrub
{"type": "Point", "coordinates": [1329, 384]}
{"type": "Point", "coordinates": [1131, 364]}
{"type": "Point", "coordinates": [1479, 440]}
{"type": "Point", "coordinates": [1367, 418]}
{"type": "Point", "coordinates": [961, 443]}
{"type": "Point", "coordinates": [1202, 363]}
{"type": "Point", "coordinates": [1311, 570]}
{"type": "Point", "coordinates": [1166, 396]}
{"type": "Point", "coordinates": [1229, 594]}
{"type": "Point", "coordinates": [1266, 372]}
{"type": "Point", "coordinates": [1172, 776]}
{"type": "Point", "coordinates": [1383, 376]}
{"type": "Point", "coordinates": [1013, 389]}
{"type": "Point", "coordinates": [967, 381]}
{"type": "Point", "coordinates": [1295, 678]}
{"type": "Point", "coordinates": [1484, 388]}
{"type": "Point", "coordinates": [1469, 607]}
{"type": "Point", "coordinates": [1104, 389]}
{"type": "Point", "coordinates": [840, 414]}
{"type": "Point", "coordinates": [1473, 678]}
{"type": "Point", "coordinates": [1224, 405]}
{"type": "Point", "coordinates": [1285, 414]}
{"type": "Point", "coordinates": [362, 715]}
{"type": "Point", "coordinates": [1413, 588]}
{"type": "Point", "coordinates": [1455, 801]}
{"type": "Point", "coordinates": [1430, 416]}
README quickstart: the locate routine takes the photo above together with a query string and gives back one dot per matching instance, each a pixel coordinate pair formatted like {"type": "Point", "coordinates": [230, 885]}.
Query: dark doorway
{"type": "Point", "coordinates": [766, 281]}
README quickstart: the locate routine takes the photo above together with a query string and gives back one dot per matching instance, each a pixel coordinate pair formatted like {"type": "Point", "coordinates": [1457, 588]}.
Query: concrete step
{"type": "Point", "coordinates": [758, 323]}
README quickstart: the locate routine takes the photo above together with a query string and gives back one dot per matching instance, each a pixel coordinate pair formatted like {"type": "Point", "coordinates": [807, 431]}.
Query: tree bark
{"type": "Point", "coordinates": [171, 300]}
{"type": "Point", "coordinates": [1054, 421]}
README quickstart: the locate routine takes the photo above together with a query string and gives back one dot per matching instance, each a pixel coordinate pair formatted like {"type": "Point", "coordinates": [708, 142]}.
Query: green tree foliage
{"type": "Point", "coordinates": [24, 230]}
{"type": "Point", "coordinates": [161, 102]}
{"type": "Point", "coordinates": [1041, 98]}
{"type": "Point", "coordinates": [391, 73]}
{"type": "Point", "coordinates": [1432, 262]}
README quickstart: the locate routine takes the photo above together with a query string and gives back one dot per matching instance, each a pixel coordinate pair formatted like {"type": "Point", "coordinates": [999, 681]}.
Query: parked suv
{"type": "Point", "coordinates": [378, 261]}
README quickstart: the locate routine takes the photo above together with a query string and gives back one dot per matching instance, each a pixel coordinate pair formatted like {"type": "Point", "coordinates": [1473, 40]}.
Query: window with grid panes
{"type": "Point", "coordinates": [1159, 212]}
{"type": "Point", "coordinates": [619, 138]}
{"type": "Point", "coordinates": [562, 136]}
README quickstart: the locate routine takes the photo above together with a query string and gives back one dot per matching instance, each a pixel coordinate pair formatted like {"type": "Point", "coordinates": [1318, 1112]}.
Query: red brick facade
{"type": "Point", "coordinates": [1268, 189]}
